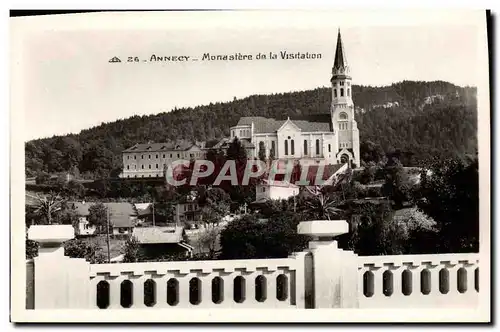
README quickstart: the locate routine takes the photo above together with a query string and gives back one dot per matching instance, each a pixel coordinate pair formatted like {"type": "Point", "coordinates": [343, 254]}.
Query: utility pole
{"type": "Point", "coordinates": [153, 205]}
{"type": "Point", "coordinates": [107, 233]}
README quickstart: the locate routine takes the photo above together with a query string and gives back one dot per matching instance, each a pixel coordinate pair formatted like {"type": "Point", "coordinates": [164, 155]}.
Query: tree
{"type": "Point", "coordinates": [47, 206]}
{"type": "Point", "coordinates": [75, 189]}
{"type": "Point", "coordinates": [272, 154]}
{"type": "Point", "coordinates": [371, 152]}
{"type": "Point", "coordinates": [368, 174]}
{"type": "Point", "coordinates": [249, 238]}
{"type": "Point", "coordinates": [262, 151]}
{"type": "Point", "coordinates": [397, 184]}
{"type": "Point", "coordinates": [236, 150]}
{"type": "Point", "coordinates": [131, 251]}
{"type": "Point", "coordinates": [449, 192]}
{"type": "Point", "coordinates": [77, 248]}
{"type": "Point", "coordinates": [321, 205]}
{"type": "Point", "coordinates": [208, 239]}
{"type": "Point", "coordinates": [66, 216]}
{"type": "Point", "coordinates": [98, 216]}
{"type": "Point", "coordinates": [42, 178]}
{"type": "Point", "coordinates": [31, 249]}
{"type": "Point", "coordinates": [165, 210]}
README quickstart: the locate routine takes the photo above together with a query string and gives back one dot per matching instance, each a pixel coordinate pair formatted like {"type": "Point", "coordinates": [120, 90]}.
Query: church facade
{"type": "Point", "coordinates": [330, 138]}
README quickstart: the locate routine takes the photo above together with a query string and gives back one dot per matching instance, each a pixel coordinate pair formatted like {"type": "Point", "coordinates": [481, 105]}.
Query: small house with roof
{"type": "Point", "coordinates": [122, 218]}
{"type": "Point", "coordinates": [271, 190]}
{"type": "Point", "coordinates": [156, 242]}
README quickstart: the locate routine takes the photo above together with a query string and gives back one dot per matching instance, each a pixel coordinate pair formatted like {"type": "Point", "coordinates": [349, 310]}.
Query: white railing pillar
{"type": "Point", "coordinates": [335, 271]}
{"type": "Point", "coordinates": [61, 282]}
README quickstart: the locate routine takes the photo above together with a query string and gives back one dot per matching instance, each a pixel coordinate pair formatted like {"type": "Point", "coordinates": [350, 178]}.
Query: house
{"type": "Point", "coordinates": [158, 242]}
{"type": "Point", "coordinates": [270, 190]}
{"type": "Point", "coordinates": [151, 159]}
{"type": "Point", "coordinates": [147, 214]}
{"type": "Point", "coordinates": [84, 228]}
{"type": "Point", "coordinates": [324, 138]}
{"type": "Point", "coordinates": [188, 209]}
{"type": "Point", "coordinates": [122, 218]}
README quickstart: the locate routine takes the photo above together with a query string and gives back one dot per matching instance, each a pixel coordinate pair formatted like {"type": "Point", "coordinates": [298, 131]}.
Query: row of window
{"type": "Point", "coordinates": [344, 145]}
{"type": "Point", "coordinates": [341, 92]}
{"type": "Point", "coordinates": [292, 146]}
{"type": "Point", "coordinates": [343, 126]}
{"type": "Point", "coordinates": [342, 83]}
{"type": "Point", "coordinates": [243, 133]}
{"type": "Point", "coordinates": [142, 166]}
{"type": "Point", "coordinates": [192, 155]}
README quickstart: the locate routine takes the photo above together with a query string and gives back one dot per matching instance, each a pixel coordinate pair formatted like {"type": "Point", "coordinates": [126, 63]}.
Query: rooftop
{"type": "Point", "coordinates": [151, 235]}
{"type": "Point", "coordinates": [121, 214]}
{"type": "Point", "coordinates": [181, 145]}
{"type": "Point", "coordinates": [313, 123]}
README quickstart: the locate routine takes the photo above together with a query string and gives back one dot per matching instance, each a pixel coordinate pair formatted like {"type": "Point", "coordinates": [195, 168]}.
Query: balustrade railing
{"type": "Point", "coordinates": [447, 280]}
{"type": "Point", "coordinates": [322, 276]}
{"type": "Point", "coordinates": [256, 283]}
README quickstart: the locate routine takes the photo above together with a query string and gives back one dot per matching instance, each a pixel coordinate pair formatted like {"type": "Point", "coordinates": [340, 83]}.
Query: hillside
{"type": "Point", "coordinates": [424, 118]}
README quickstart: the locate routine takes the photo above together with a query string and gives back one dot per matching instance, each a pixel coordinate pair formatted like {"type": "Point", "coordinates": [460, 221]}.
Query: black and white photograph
{"type": "Point", "coordinates": [250, 166]}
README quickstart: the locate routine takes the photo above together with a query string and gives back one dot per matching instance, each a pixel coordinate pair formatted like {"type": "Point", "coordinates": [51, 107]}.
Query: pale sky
{"type": "Point", "coordinates": [66, 83]}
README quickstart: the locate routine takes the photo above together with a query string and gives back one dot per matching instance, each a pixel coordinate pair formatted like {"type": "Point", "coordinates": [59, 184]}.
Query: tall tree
{"type": "Point", "coordinates": [450, 195]}
{"type": "Point", "coordinates": [236, 150]}
{"type": "Point", "coordinates": [397, 185]}
{"type": "Point", "coordinates": [47, 206]}
{"type": "Point", "coordinates": [262, 151]}
{"type": "Point", "coordinates": [98, 216]}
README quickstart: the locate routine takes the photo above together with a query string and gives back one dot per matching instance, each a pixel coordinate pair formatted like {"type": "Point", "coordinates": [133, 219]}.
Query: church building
{"type": "Point", "coordinates": [330, 138]}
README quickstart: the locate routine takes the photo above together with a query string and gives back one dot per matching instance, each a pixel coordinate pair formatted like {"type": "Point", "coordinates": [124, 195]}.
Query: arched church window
{"type": "Point", "coordinates": [343, 116]}
{"type": "Point", "coordinates": [348, 92]}
{"type": "Point", "coordinates": [286, 148]}
{"type": "Point", "coordinates": [292, 147]}
{"type": "Point", "coordinates": [305, 147]}
{"type": "Point", "coordinates": [335, 93]}
{"type": "Point", "coordinates": [342, 92]}
{"type": "Point", "coordinates": [317, 146]}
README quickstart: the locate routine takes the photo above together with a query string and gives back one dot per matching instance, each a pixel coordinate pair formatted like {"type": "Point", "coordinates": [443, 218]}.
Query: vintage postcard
{"type": "Point", "coordinates": [208, 166]}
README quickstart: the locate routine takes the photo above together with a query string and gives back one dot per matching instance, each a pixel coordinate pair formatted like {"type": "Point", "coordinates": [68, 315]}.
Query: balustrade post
{"type": "Point", "coordinates": [61, 282]}
{"type": "Point", "coordinates": [335, 271]}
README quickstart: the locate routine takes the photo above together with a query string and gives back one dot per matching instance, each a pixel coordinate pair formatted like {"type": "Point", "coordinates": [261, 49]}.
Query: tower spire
{"type": "Point", "coordinates": [340, 61]}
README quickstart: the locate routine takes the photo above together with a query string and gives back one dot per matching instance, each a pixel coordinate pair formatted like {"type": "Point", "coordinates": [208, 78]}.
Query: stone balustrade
{"type": "Point", "coordinates": [419, 281]}
{"type": "Point", "coordinates": [322, 276]}
{"type": "Point", "coordinates": [274, 283]}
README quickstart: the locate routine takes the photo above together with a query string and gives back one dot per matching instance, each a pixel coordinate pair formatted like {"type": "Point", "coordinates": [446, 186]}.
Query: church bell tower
{"type": "Point", "coordinates": [342, 110]}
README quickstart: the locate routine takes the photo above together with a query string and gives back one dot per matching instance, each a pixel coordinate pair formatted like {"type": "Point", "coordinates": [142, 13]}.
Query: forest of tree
{"type": "Point", "coordinates": [448, 127]}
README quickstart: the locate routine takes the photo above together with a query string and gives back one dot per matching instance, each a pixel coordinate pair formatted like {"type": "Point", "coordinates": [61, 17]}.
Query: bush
{"type": "Point", "coordinates": [248, 237]}
{"type": "Point", "coordinates": [132, 251]}
{"type": "Point", "coordinates": [77, 248]}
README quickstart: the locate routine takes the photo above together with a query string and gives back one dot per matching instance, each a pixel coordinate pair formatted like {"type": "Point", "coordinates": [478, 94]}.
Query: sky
{"type": "Point", "coordinates": [63, 82]}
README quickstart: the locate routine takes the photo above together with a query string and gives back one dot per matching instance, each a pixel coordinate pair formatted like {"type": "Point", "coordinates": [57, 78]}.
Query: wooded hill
{"type": "Point", "coordinates": [426, 119]}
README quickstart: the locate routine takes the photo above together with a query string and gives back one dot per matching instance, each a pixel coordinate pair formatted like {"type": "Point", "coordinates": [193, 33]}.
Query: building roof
{"type": "Point", "coordinates": [224, 143]}
{"type": "Point", "coordinates": [121, 214]}
{"type": "Point", "coordinates": [282, 184]}
{"type": "Point", "coordinates": [180, 145]}
{"type": "Point", "coordinates": [271, 125]}
{"type": "Point", "coordinates": [150, 235]}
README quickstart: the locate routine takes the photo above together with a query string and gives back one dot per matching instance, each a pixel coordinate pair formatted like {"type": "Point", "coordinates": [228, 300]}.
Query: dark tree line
{"type": "Point", "coordinates": [447, 127]}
